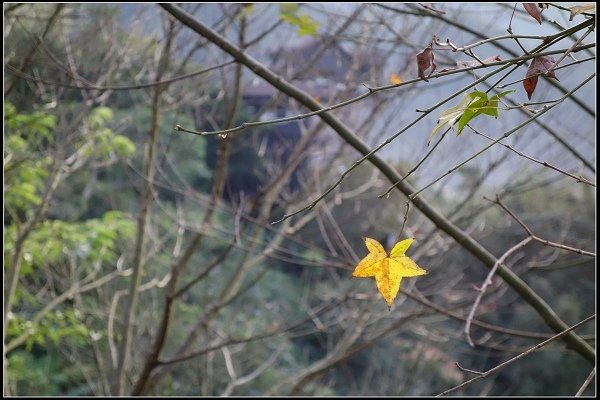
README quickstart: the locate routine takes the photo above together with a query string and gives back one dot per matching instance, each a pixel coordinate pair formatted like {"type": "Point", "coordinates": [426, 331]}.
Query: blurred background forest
{"type": "Point", "coordinates": [141, 259]}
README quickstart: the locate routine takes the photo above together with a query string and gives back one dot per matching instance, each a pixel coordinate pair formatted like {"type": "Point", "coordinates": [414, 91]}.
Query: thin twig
{"type": "Point", "coordinates": [435, 10]}
{"type": "Point", "coordinates": [537, 238]}
{"type": "Point", "coordinates": [492, 328]}
{"type": "Point", "coordinates": [505, 135]}
{"type": "Point", "coordinates": [543, 73]}
{"type": "Point", "coordinates": [579, 179]}
{"type": "Point", "coordinates": [518, 357]}
{"type": "Point", "coordinates": [590, 30]}
{"type": "Point", "coordinates": [468, 370]}
{"type": "Point", "coordinates": [509, 30]}
{"type": "Point", "coordinates": [423, 159]}
{"type": "Point", "coordinates": [487, 282]}
{"type": "Point", "coordinates": [89, 86]}
{"type": "Point", "coordinates": [373, 90]}
{"type": "Point", "coordinates": [586, 383]}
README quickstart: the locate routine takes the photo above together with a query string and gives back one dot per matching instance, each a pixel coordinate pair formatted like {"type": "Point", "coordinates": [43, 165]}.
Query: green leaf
{"type": "Point", "coordinates": [501, 94]}
{"type": "Point", "coordinates": [451, 115]}
{"type": "Point", "coordinates": [306, 25]}
{"type": "Point", "coordinates": [21, 195]}
{"type": "Point", "coordinates": [123, 146]}
{"type": "Point", "coordinates": [471, 105]}
{"type": "Point", "coordinates": [480, 105]}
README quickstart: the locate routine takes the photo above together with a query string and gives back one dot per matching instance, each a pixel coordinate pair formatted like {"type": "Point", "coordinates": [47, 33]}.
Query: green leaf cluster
{"type": "Point", "coordinates": [53, 242]}
{"type": "Point", "coordinates": [25, 165]}
{"type": "Point", "coordinates": [101, 141]}
{"type": "Point", "coordinates": [52, 328]}
{"type": "Point", "coordinates": [35, 127]}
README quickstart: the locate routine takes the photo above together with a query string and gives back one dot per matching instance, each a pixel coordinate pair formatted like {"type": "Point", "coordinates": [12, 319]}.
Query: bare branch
{"type": "Point", "coordinates": [90, 86]}
{"type": "Point", "coordinates": [486, 283]}
{"type": "Point", "coordinates": [579, 179]}
{"type": "Point", "coordinates": [586, 383]}
{"type": "Point", "coordinates": [512, 360]}
{"type": "Point", "coordinates": [537, 238]}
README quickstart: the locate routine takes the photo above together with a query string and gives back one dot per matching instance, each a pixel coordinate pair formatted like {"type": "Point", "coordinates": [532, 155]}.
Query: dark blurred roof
{"type": "Point", "coordinates": [319, 88]}
{"type": "Point", "coordinates": [334, 63]}
{"type": "Point", "coordinates": [329, 71]}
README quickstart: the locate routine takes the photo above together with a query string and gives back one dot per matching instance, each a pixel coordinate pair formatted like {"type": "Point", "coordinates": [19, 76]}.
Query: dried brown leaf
{"type": "Point", "coordinates": [539, 65]}
{"type": "Point", "coordinates": [533, 10]}
{"type": "Point", "coordinates": [529, 84]}
{"type": "Point", "coordinates": [424, 62]}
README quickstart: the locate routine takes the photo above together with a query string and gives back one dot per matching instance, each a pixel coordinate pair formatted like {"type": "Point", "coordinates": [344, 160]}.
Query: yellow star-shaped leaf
{"type": "Point", "coordinates": [387, 270]}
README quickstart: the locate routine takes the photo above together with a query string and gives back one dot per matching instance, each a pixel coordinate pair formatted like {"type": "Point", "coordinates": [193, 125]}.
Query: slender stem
{"type": "Point", "coordinates": [537, 238]}
{"type": "Point", "coordinates": [586, 383]}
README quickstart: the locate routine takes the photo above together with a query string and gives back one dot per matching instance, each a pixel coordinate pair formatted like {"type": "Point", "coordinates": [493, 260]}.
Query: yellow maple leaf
{"type": "Point", "coordinates": [395, 79]}
{"type": "Point", "coordinates": [387, 270]}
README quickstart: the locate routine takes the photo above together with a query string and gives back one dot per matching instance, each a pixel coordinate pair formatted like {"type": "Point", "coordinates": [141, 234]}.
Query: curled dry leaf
{"type": "Point", "coordinates": [529, 84]}
{"type": "Point", "coordinates": [589, 8]}
{"type": "Point", "coordinates": [533, 10]}
{"type": "Point", "coordinates": [424, 62]}
{"type": "Point", "coordinates": [539, 65]}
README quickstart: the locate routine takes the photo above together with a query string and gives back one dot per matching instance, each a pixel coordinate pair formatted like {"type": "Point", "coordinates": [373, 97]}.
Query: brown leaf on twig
{"type": "Point", "coordinates": [539, 65]}
{"type": "Point", "coordinates": [533, 10]}
{"type": "Point", "coordinates": [589, 8]}
{"type": "Point", "coordinates": [424, 61]}
{"type": "Point", "coordinates": [529, 84]}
